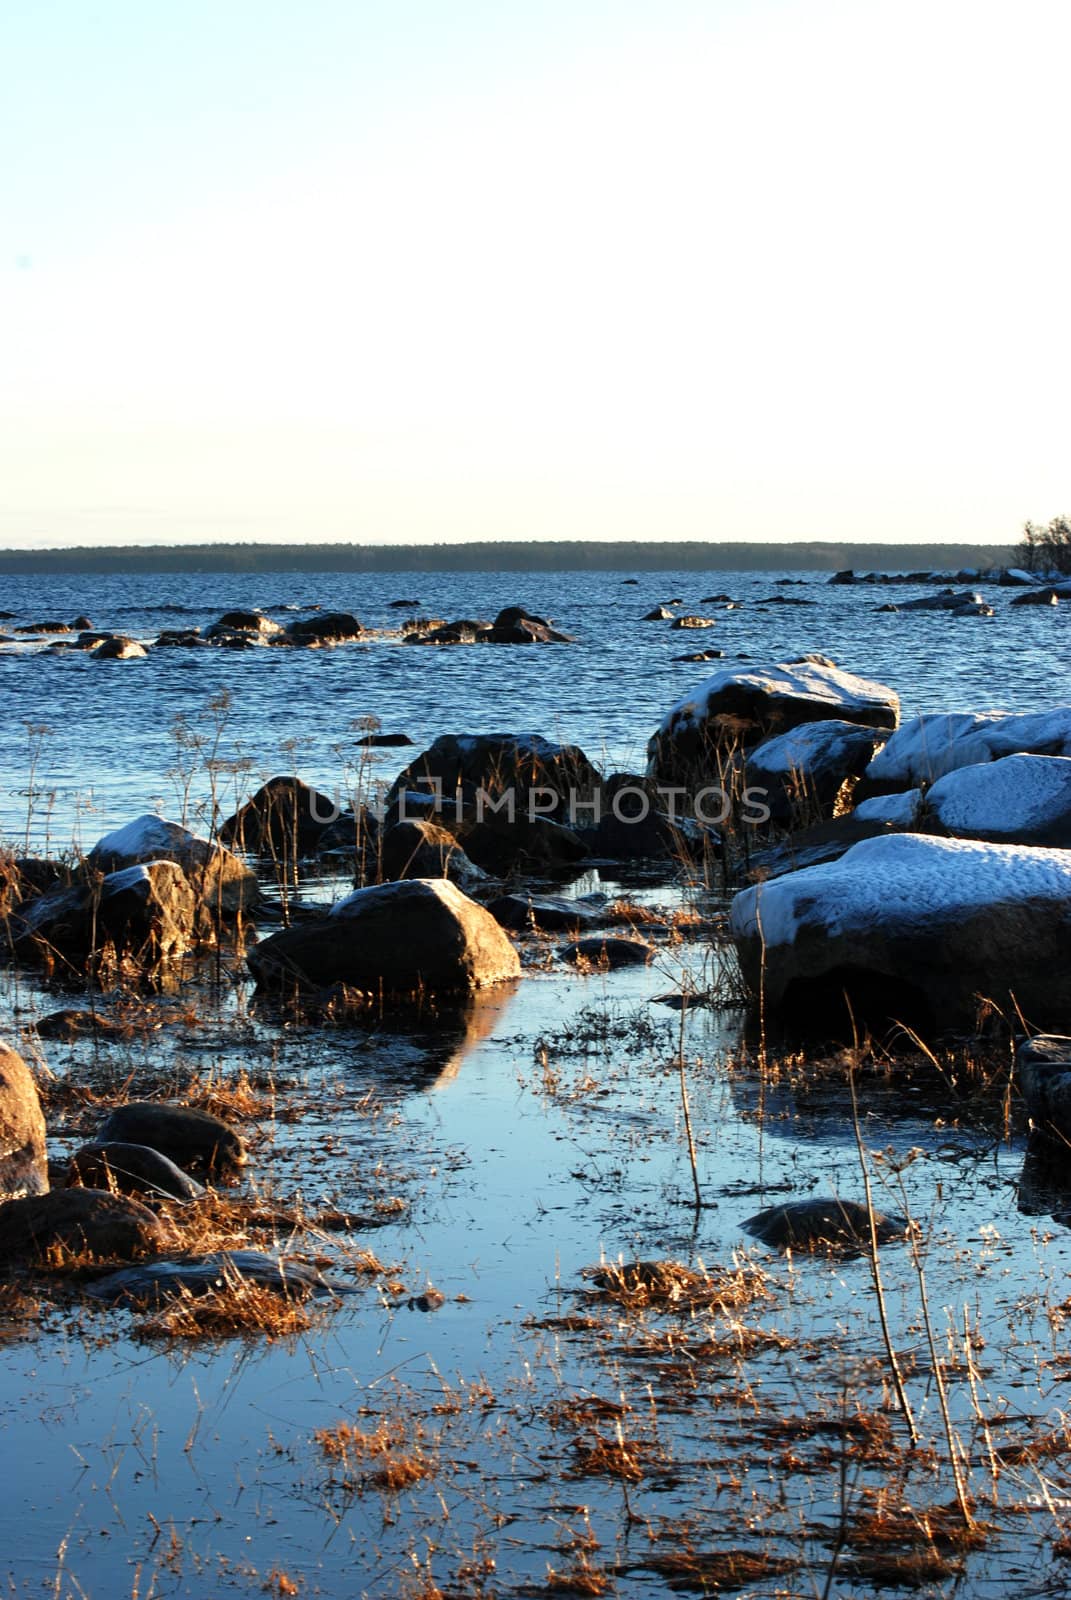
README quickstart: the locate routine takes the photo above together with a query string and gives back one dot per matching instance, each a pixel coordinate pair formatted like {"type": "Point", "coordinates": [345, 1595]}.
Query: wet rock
{"type": "Point", "coordinates": [224, 885]}
{"type": "Point", "coordinates": [541, 776]}
{"type": "Point", "coordinates": [463, 630]}
{"type": "Point", "coordinates": [1037, 597]}
{"type": "Point", "coordinates": [1044, 1067]}
{"type": "Point", "coordinates": [690, 623]}
{"type": "Point", "coordinates": [23, 1163]}
{"type": "Point", "coordinates": [610, 951]}
{"type": "Point", "coordinates": [23, 878]}
{"type": "Point", "coordinates": [82, 625]}
{"type": "Point", "coordinates": [404, 605]}
{"type": "Point", "coordinates": [912, 928]}
{"type": "Point", "coordinates": [330, 627]}
{"type": "Point", "coordinates": [785, 600]}
{"type": "Point", "coordinates": [285, 820]}
{"type": "Point", "coordinates": [634, 826]}
{"type": "Point", "coordinates": [523, 913]}
{"type": "Point", "coordinates": [156, 1282]}
{"type": "Point", "coordinates": [118, 648]}
{"type": "Point", "coordinates": [1016, 800]}
{"type": "Point", "coordinates": [501, 847]}
{"type": "Point", "coordinates": [424, 850]}
{"type": "Point", "coordinates": [969, 602]}
{"type": "Point", "coordinates": [195, 1141]}
{"type": "Point", "coordinates": [845, 577]}
{"type": "Point", "coordinates": [811, 847]}
{"type": "Point", "coordinates": [658, 614]}
{"type": "Point", "coordinates": [803, 772]}
{"type": "Point", "coordinates": [144, 914]}
{"type": "Point", "coordinates": [245, 622]}
{"type": "Point", "coordinates": [747, 705]}
{"type": "Point", "coordinates": [514, 625]}
{"type": "Point", "coordinates": [70, 1025]}
{"type": "Point", "coordinates": [79, 1223]}
{"type": "Point", "coordinates": [821, 1225]}
{"type": "Point", "coordinates": [130, 1169]}
{"type": "Point", "coordinates": [702, 655]}
{"type": "Point", "coordinates": [398, 939]}
{"type": "Point", "coordinates": [180, 639]}
{"type": "Point", "coordinates": [382, 741]}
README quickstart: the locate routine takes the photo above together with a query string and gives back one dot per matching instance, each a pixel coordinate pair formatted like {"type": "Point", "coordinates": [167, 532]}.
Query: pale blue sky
{"type": "Point", "coordinates": [767, 269]}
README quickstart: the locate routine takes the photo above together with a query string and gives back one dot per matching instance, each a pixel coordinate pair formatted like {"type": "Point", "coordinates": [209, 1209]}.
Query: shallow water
{"type": "Point", "coordinates": [528, 1141]}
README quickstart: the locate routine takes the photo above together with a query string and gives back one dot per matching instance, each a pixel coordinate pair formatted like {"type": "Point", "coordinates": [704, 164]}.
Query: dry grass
{"type": "Point", "coordinates": [238, 1308]}
{"type": "Point", "coordinates": [603, 1456]}
{"type": "Point", "coordinates": [381, 1458]}
{"type": "Point", "coordinates": [671, 1286]}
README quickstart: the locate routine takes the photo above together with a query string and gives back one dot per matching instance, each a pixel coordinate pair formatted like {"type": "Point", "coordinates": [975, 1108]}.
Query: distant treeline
{"type": "Point", "coordinates": [488, 556]}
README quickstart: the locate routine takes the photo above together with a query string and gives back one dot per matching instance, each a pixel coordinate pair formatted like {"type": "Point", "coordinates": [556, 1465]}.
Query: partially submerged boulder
{"type": "Point", "coordinates": [1017, 800]}
{"type": "Point", "coordinates": [224, 885]}
{"type": "Point", "coordinates": [927, 747]}
{"type": "Point", "coordinates": [525, 845]}
{"type": "Point", "coordinates": [914, 928]}
{"type": "Point", "coordinates": [23, 1163]}
{"type": "Point", "coordinates": [157, 1282]}
{"type": "Point", "coordinates": [117, 647]}
{"type": "Point", "coordinates": [194, 1140]}
{"type": "Point", "coordinates": [398, 939]}
{"type": "Point", "coordinates": [608, 951]}
{"type": "Point", "coordinates": [515, 625]}
{"type": "Point", "coordinates": [823, 1225]}
{"type": "Point", "coordinates": [745, 706]}
{"type": "Point", "coordinates": [1044, 1066]}
{"type": "Point", "coordinates": [136, 1169]}
{"type": "Point", "coordinates": [285, 819]}
{"type": "Point", "coordinates": [78, 1224]}
{"type": "Point", "coordinates": [328, 627]}
{"type": "Point", "coordinates": [143, 914]}
{"type": "Point", "coordinates": [526, 913]}
{"type": "Point", "coordinates": [424, 850]}
{"type": "Point", "coordinates": [540, 775]}
{"type": "Point", "coordinates": [805, 770]}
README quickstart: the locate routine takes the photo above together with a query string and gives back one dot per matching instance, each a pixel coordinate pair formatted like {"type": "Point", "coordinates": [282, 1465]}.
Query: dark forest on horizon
{"type": "Point", "coordinates": [506, 556]}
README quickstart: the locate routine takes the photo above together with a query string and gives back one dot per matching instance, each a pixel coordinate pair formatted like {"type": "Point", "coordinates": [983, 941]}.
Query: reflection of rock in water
{"type": "Point", "coordinates": [1045, 1182]}
{"type": "Point", "coordinates": [455, 1031]}
{"type": "Point", "coordinates": [812, 1103]}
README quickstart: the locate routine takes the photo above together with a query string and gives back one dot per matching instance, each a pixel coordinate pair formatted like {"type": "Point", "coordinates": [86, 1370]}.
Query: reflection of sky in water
{"type": "Point", "coordinates": [110, 750]}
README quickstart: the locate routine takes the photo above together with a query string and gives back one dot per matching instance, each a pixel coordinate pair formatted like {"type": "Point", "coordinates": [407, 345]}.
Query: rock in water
{"type": "Point", "coordinates": [159, 1281]}
{"type": "Point", "coordinates": [805, 769]}
{"type": "Point", "coordinates": [130, 1169]}
{"type": "Point", "coordinates": [190, 1138]}
{"type": "Point", "coordinates": [23, 1164]}
{"type": "Point", "coordinates": [285, 819]}
{"type": "Point", "coordinates": [224, 885]}
{"type": "Point", "coordinates": [927, 747]}
{"type": "Point", "coordinates": [399, 939]}
{"type": "Point", "coordinates": [1044, 1065]}
{"type": "Point", "coordinates": [908, 924]}
{"type": "Point", "coordinates": [822, 1225]}
{"type": "Point", "coordinates": [146, 914]}
{"type": "Point", "coordinates": [1016, 800]}
{"type": "Point", "coordinates": [79, 1222]}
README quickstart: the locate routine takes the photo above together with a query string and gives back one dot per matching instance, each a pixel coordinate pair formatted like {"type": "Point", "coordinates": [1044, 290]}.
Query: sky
{"type": "Point", "coordinates": [420, 271]}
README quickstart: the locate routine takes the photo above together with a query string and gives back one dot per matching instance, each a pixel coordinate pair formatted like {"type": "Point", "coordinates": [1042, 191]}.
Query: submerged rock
{"type": "Point", "coordinates": [912, 927]}
{"type": "Point", "coordinates": [830, 1224]}
{"type": "Point", "coordinates": [192, 1139]}
{"type": "Point", "coordinates": [156, 1282]}
{"type": "Point", "coordinates": [748, 705]}
{"type": "Point", "coordinates": [610, 951]}
{"type": "Point", "coordinates": [79, 1223]}
{"type": "Point", "coordinates": [23, 1163]}
{"type": "Point", "coordinates": [130, 1169]}
{"type": "Point", "coordinates": [400, 939]}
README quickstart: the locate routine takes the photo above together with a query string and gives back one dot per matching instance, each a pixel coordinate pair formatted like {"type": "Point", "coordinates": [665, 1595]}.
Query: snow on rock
{"type": "Point", "coordinates": [224, 883]}
{"type": "Point", "coordinates": [748, 705]}
{"type": "Point", "coordinates": [911, 924]}
{"type": "Point", "coordinates": [806, 768]}
{"type": "Point", "coordinates": [1017, 800]}
{"type": "Point", "coordinates": [927, 747]}
{"type": "Point", "coordinates": [902, 810]}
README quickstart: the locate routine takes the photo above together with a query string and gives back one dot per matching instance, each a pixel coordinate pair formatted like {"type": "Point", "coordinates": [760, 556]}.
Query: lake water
{"type": "Point", "coordinates": [528, 1140]}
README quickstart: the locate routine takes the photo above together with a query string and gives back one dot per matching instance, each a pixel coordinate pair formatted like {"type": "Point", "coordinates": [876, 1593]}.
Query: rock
{"type": "Point", "coordinates": [927, 747]}
{"type": "Point", "coordinates": [633, 826]}
{"type": "Point", "coordinates": [180, 639]}
{"type": "Point", "coordinates": [404, 605]}
{"type": "Point", "coordinates": [71, 1025]}
{"type": "Point", "coordinates": [1044, 1067]}
{"type": "Point", "coordinates": [118, 648]}
{"type": "Point", "coordinates": [845, 577]}
{"type": "Point", "coordinates": [912, 928]}
{"type": "Point", "coordinates": [245, 622]}
{"type": "Point", "coordinates": [811, 847]}
{"type": "Point", "coordinates": [746, 706]}
{"type": "Point", "coordinates": [805, 770]}
{"type": "Point", "coordinates": [830, 1224]}
{"type": "Point", "coordinates": [718, 600]}
{"type": "Point", "coordinates": [1016, 800]}
{"type": "Point", "coordinates": [382, 741]}
{"type": "Point", "coordinates": [398, 939]}
{"type": "Point", "coordinates": [144, 914]}
{"type": "Point", "coordinates": [224, 885]}
{"type": "Point", "coordinates": [1037, 597]}
{"type": "Point", "coordinates": [525, 913]}
{"type": "Point", "coordinates": [424, 850]}
{"type": "Point", "coordinates": [23, 1163]}
{"type": "Point", "coordinates": [284, 820]}
{"type": "Point", "coordinates": [79, 1223]}
{"type": "Point", "coordinates": [608, 951]}
{"type": "Point", "coordinates": [968, 602]}
{"type": "Point", "coordinates": [658, 614]}
{"type": "Point", "coordinates": [514, 625]}
{"type": "Point", "coordinates": [82, 625]}
{"type": "Point", "coordinates": [702, 655]}
{"type": "Point", "coordinates": [785, 600]}
{"type": "Point", "coordinates": [542, 776]}
{"type": "Point", "coordinates": [901, 810]}
{"type": "Point", "coordinates": [461, 631]}
{"type": "Point", "coordinates": [194, 1140]}
{"type": "Point", "coordinates": [156, 1282]}
{"type": "Point", "coordinates": [130, 1169]}
{"type": "Point", "coordinates": [23, 878]}
{"type": "Point", "coordinates": [691, 622]}
{"type": "Point", "coordinates": [501, 847]}
{"type": "Point", "coordinates": [330, 627]}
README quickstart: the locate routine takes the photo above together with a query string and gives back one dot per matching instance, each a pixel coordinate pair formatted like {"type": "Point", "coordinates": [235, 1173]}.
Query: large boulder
{"type": "Point", "coordinates": [741, 708]}
{"type": "Point", "coordinates": [967, 603]}
{"type": "Point", "coordinates": [71, 1226]}
{"type": "Point", "coordinates": [400, 939]}
{"type": "Point", "coordinates": [194, 1140]}
{"type": "Point", "coordinates": [804, 771]}
{"type": "Point", "coordinates": [515, 625]}
{"type": "Point", "coordinates": [130, 1169]}
{"type": "Point", "coordinates": [912, 928]}
{"type": "Point", "coordinates": [525, 845]}
{"type": "Point", "coordinates": [143, 915]}
{"type": "Point", "coordinates": [540, 775]}
{"type": "Point", "coordinates": [285, 820]}
{"type": "Point", "coordinates": [117, 647]}
{"type": "Point", "coordinates": [224, 885]}
{"type": "Point", "coordinates": [329, 627]}
{"type": "Point", "coordinates": [254, 622]}
{"type": "Point", "coordinates": [23, 1164]}
{"type": "Point", "coordinates": [927, 747]}
{"type": "Point", "coordinates": [1017, 800]}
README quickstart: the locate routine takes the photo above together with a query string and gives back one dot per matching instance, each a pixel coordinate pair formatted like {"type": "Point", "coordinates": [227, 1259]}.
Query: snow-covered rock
{"type": "Point", "coordinates": [1017, 800]}
{"type": "Point", "coordinates": [902, 810]}
{"type": "Point", "coordinates": [805, 769]}
{"type": "Point", "coordinates": [224, 885]}
{"type": "Point", "coordinates": [912, 926]}
{"type": "Point", "coordinates": [145, 913]}
{"type": "Point", "coordinates": [927, 747]}
{"type": "Point", "coordinates": [750, 704]}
